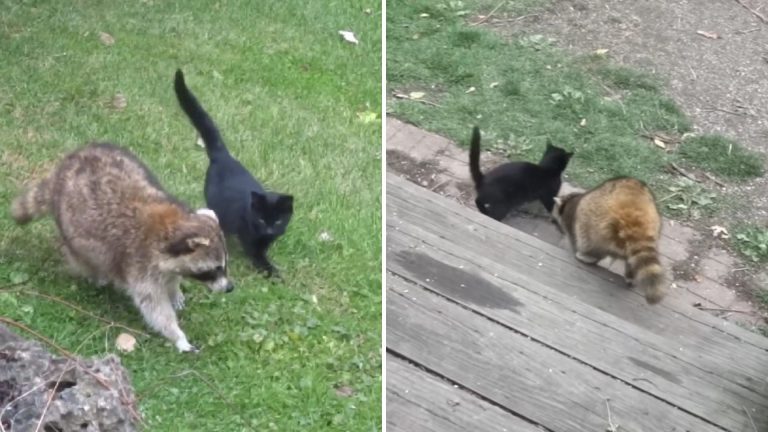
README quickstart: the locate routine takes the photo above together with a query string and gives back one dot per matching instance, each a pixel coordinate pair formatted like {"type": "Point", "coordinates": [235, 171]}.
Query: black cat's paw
{"type": "Point", "coordinates": [267, 269]}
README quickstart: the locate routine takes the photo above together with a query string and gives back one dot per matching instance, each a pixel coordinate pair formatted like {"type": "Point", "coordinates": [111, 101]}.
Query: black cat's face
{"type": "Point", "coordinates": [270, 214]}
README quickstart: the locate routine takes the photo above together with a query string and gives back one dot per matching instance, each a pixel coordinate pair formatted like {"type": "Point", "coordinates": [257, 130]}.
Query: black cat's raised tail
{"type": "Point", "coordinates": [474, 158]}
{"type": "Point", "coordinates": [199, 118]}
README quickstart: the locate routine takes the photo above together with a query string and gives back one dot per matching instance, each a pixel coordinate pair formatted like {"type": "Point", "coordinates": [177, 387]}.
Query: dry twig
{"type": "Point", "coordinates": [754, 12]}
{"type": "Point", "coordinates": [683, 172]}
{"type": "Point", "coordinates": [81, 310]}
{"type": "Point", "coordinates": [207, 382]}
{"type": "Point", "coordinates": [21, 326]}
{"type": "Point", "coordinates": [489, 15]}
{"type": "Point", "coordinates": [52, 394]}
{"type": "Point", "coordinates": [724, 110]}
{"type": "Point", "coordinates": [723, 310]}
{"type": "Point", "coordinates": [750, 418]}
{"type": "Point", "coordinates": [406, 97]}
{"type": "Point", "coordinates": [611, 427]}
{"type": "Point", "coordinates": [716, 181]}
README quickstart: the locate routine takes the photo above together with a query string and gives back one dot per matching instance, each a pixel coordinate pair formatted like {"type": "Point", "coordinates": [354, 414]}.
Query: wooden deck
{"type": "Point", "coordinates": [490, 329]}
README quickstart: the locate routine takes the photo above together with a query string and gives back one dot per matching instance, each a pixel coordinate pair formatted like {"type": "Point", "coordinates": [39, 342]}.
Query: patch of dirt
{"type": "Point", "coordinates": [423, 173]}
{"type": "Point", "coordinates": [721, 84]}
{"type": "Point", "coordinates": [429, 174]}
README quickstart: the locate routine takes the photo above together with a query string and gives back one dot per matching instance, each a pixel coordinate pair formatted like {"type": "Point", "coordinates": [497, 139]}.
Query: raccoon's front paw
{"type": "Point", "coordinates": [184, 346]}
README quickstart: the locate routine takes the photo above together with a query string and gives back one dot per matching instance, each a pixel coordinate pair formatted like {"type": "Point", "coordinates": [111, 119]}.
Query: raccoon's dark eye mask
{"type": "Point", "coordinates": [208, 276]}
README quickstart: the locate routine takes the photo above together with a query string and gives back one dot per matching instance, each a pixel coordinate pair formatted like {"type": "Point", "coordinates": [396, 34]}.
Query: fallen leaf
{"type": "Point", "coordinates": [706, 34]}
{"type": "Point", "coordinates": [659, 143]}
{"type": "Point", "coordinates": [601, 51]}
{"type": "Point", "coordinates": [345, 391]}
{"type": "Point", "coordinates": [494, 84]}
{"type": "Point", "coordinates": [325, 236]}
{"type": "Point", "coordinates": [348, 36]}
{"type": "Point", "coordinates": [719, 232]}
{"type": "Point", "coordinates": [368, 11]}
{"type": "Point", "coordinates": [416, 95]}
{"type": "Point", "coordinates": [583, 122]}
{"type": "Point", "coordinates": [401, 96]}
{"type": "Point", "coordinates": [106, 38]}
{"type": "Point", "coordinates": [125, 342]}
{"type": "Point", "coordinates": [119, 101]}
{"type": "Point", "coordinates": [200, 141]}
{"type": "Point", "coordinates": [367, 116]}
{"type": "Point", "coordinates": [470, 90]}
{"type": "Point", "coordinates": [424, 15]}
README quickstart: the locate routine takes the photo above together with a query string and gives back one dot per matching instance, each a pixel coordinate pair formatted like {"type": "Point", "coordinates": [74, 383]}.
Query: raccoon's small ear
{"type": "Point", "coordinates": [558, 201]}
{"type": "Point", "coordinates": [207, 212]}
{"type": "Point", "coordinates": [186, 245]}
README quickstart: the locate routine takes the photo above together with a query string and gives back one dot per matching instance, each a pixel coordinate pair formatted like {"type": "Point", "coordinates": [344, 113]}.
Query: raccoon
{"type": "Point", "coordinates": [119, 226]}
{"type": "Point", "coordinates": [513, 184]}
{"type": "Point", "coordinates": [619, 219]}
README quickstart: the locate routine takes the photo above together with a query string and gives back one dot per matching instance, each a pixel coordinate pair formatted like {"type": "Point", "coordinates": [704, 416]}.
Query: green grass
{"type": "Point", "coordinates": [752, 242]}
{"type": "Point", "coordinates": [523, 91]}
{"type": "Point", "coordinates": [722, 156]}
{"type": "Point", "coordinates": [294, 103]}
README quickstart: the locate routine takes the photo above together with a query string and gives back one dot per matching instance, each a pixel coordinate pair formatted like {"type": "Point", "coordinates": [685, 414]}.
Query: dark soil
{"type": "Point", "coordinates": [721, 84]}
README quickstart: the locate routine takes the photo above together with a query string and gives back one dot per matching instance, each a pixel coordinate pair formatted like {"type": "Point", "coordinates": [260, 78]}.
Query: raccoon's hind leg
{"type": "Point", "coordinates": [157, 310]}
{"type": "Point", "coordinates": [78, 267]}
{"type": "Point", "coordinates": [629, 275]}
{"type": "Point", "coordinates": [587, 258]}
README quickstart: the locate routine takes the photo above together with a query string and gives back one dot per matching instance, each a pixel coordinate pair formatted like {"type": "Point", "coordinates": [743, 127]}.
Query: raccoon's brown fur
{"type": "Point", "coordinates": [118, 226]}
{"type": "Point", "coordinates": [619, 219]}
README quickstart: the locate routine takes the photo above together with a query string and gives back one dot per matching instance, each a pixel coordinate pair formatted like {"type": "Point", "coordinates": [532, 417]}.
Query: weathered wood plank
{"type": "Point", "coordinates": [528, 378]}
{"type": "Point", "coordinates": [408, 205]}
{"type": "Point", "coordinates": [712, 388]}
{"type": "Point", "coordinates": [420, 402]}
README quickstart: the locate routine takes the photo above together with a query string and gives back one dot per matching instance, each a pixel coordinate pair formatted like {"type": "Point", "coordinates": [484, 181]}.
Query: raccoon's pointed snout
{"type": "Point", "coordinates": [222, 284]}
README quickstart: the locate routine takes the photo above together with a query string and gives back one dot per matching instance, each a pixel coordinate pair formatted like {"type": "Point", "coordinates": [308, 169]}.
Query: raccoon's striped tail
{"type": "Point", "coordinates": [33, 203]}
{"type": "Point", "coordinates": [643, 260]}
{"type": "Point", "coordinates": [474, 158]}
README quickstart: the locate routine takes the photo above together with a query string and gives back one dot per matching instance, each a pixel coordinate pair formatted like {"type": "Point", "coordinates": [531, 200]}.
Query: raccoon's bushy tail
{"type": "Point", "coordinates": [474, 158]}
{"type": "Point", "coordinates": [199, 118]}
{"type": "Point", "coordinates": [33, 203]}
{"type": "Point", "coordinates": [648, 274]}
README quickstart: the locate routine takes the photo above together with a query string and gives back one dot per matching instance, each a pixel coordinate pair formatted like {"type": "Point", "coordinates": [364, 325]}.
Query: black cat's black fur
{"type": "Point", "coordinates": [513, 184]}
{"type": "Point", "coordinates": [256, 216]}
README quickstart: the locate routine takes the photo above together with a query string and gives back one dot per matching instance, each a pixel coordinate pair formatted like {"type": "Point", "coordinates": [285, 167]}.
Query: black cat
{"type": "Point", "coordinates": [257, 217]}
{"type": "Point", "coordinates": [513, 184]}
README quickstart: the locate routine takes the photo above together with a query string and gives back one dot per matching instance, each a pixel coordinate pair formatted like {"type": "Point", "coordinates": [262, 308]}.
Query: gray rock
{"type": "Point", "coordinates": [91, 395]}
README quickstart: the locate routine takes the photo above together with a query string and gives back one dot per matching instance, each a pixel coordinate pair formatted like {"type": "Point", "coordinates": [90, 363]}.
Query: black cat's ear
{"type": "Point", "coordinates": [258, 200]}
{"type": "Point", "coordinates": [284, 203]}
{"type": "Point", "coordinates": [549, 144]}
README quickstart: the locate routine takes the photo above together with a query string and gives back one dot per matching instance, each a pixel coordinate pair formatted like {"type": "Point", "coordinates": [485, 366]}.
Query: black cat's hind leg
{"type": "Point", "coordinates": [259, 259]}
